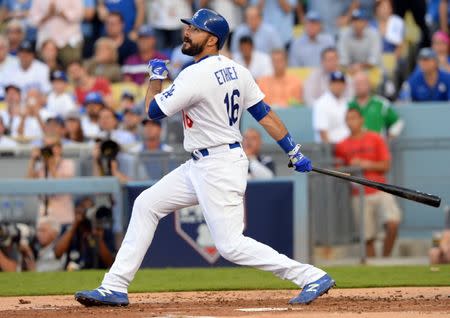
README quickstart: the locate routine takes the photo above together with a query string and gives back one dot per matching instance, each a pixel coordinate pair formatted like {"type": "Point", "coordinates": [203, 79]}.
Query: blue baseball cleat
{"type": "Point", "coordinates": [101, 297]}
{"type": "Point", "coordinates": [314, 290]}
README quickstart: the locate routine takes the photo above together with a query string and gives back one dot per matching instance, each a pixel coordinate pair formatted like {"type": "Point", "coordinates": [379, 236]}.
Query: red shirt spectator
{"type": "Point", "coordinates": [101, 85]}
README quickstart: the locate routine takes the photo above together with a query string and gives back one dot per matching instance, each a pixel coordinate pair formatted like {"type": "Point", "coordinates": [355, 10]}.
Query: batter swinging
{"type": "Point", "coordinates": [212, 95]}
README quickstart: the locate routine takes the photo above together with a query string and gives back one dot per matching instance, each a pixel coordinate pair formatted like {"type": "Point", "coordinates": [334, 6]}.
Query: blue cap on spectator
{"type": "Point", "coordinates": [93, 98]}
{"type": "Point", "coordinates": [313, 16]}
{"type": "Point", "coordinates": [58, 75]}
{"type": "Point", "coordinates": [26, 46]}
{"type": "Point", "coordinates": [427, 53]}
{"type": "Point", "coordinates": [127, 94]}
{"type": "Point", "coordinates": [337, 76]}
{"type": "Point", "coordinates": [133, 110]}
{"type": "Point", "coordinates": [146, 30]}
{"type": "Point", "coordinates": [359, 14]}
{"type": "Point", "coordinates": [57, 119]}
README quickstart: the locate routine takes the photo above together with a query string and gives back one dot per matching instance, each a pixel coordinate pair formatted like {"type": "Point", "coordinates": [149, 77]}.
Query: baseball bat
{"type": "Point", "coordinates": [414, 195]}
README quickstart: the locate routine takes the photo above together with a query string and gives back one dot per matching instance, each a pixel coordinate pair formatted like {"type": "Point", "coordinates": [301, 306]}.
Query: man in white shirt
{"type": "Point", "coordinates": [29, 72]}
{"type": "Point", "coordinates": [329, 112]}
{"type": "Point", "coordinates": [6, 59]}
{"type": "Point", "coordinates": [5, 141]}
{"type": "Point", "coordinates": [93, 104]}
{"type": "Point", "coordinates": [11, 112]}
{"type": "Point", "coordinates": [260, 167]}
{"type": "Point", "coordinates": [59, 101]}
{"type": "Point", "coordinates": [258, 63]}
{"type": "Point", "coordinates": [107, 121]}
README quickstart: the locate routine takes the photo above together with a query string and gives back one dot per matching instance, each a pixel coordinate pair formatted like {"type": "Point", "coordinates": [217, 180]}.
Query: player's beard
{"type": "Point", "coordinates": [194, 49]}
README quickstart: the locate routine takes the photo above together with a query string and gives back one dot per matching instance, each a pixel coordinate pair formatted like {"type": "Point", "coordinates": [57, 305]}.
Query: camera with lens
{"type": "Point", "coordinates": [15, 233]}
{"type": "Point", "coordinates": [109, 149]}
{"type": "Point", "coordinates": [103, 218]}
{"type": "Point", "coordinates": [46, 152]}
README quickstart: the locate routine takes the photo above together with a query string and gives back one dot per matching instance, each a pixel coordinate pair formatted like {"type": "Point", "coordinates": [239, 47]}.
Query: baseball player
{"type": "Point", "coordinates": [212, 94]}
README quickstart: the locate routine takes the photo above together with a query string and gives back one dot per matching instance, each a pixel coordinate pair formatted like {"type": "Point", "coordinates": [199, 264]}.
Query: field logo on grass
{"type": "Point", "coordinates": [191, 226]}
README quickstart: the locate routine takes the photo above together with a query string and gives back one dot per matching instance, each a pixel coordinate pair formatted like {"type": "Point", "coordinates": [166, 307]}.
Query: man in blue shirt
{"type": "Point", "coordinates": [429, 83]}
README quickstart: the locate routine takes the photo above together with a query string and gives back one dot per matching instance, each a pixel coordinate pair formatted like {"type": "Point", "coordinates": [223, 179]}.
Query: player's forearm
{"type": "Point", "coordinates": [154, 87]}
{"type": "Point", "coordinates": [274, 126]}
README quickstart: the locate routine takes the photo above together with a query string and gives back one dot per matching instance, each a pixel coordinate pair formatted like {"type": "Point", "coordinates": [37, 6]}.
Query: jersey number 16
{"type": "Point", "coordinates": [232, 107]}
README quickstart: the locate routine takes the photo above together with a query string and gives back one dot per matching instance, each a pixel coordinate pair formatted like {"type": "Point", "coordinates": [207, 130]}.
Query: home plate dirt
{"type": "Point", "coordinates": [340, 303]}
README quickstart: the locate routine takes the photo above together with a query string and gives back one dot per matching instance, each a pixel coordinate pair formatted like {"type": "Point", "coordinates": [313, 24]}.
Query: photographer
{"type": "Point", "coordinates": [105, 161]}
{"type": "Point", "coordinates": [15, 252]}
{"type": "Point", "coordinates": [90, 240]}
{"type": "Point", "coordinates": [47, 162]}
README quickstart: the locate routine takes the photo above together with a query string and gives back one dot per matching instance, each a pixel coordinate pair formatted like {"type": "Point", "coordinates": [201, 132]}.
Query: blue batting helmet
{"type": "Point", "coordinates": [211, 22]}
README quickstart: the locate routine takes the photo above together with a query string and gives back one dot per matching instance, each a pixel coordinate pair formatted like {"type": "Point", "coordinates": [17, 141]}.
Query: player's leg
{"type": "Point", "coordinates": [172, 192]}
{"type": "Point", "coordinates": [220, 183]}
{"type": "Point", "coordinates": [391, 217]}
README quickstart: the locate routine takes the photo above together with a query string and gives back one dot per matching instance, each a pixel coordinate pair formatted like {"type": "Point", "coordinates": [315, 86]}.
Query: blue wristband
{"type": "Point", "coordinates": [287, 143]}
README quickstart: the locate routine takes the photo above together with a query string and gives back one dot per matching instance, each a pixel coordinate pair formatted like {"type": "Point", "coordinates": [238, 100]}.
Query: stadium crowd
{"type": "Point", "coordinates": [74, 72]}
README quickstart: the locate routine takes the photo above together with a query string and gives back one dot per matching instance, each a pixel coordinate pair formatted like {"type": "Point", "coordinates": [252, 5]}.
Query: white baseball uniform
{"type": "Point", "coordinates": [212, 94]}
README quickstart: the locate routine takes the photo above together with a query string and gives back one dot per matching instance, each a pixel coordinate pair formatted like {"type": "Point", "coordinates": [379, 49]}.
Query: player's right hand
{"type": "Point", "coordinates": [300, 162]}
{"type": "Point", "coordinates": [157, 69]}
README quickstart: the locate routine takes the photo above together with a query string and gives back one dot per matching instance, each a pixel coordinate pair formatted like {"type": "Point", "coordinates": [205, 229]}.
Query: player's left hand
{"type": "Point", "coordinates": [157, 69]}
{"type": "Point", "coordinates": [300, 162]}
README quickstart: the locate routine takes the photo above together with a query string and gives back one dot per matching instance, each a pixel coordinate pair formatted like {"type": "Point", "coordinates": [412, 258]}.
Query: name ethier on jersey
{"type": "Point", "coordinates": [225, 75]}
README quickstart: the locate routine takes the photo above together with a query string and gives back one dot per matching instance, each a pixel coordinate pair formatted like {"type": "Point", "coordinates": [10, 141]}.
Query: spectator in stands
{"type": "Point", "coordinates": [29, 72]}
{"type": "Point", "coordinates": [61, 22]}
{"type": "Point", "coordinates": [390, 26]}
{"type": "Point", "coordinates": [329, 112]}
{"type": "Point", "coordinates": [279, 14]}
{"type": "Point", "coordinates": [89, 121]}
{"type": "Point", "coordinates": [32, 117]}
{"type": "Point", "coordinates": [440, 44]}
{"type": "Point", "coordinates": [360, 45]}
{"type": "Point", "coordinates": [5, 141]}
{"type": "Point", "coordinates": [104, 62]}
{"type": "Point", "coordinates": [59, 101]}
{"type": "Point", "coordinates": [132, 13]}
{"type": "Point", "coordinates": [54, 126]}
{"type": "Point", "coordinates": [260, 166]}
{"type": "Point", "coordinates": [127, 101]}
{"type": "Point", "coordinates": [369, 152]}
{"type": "Point", "coordinates": [74, 130]}
{"type": "Point", "coordinates": [49, 55]}
{"type": "Point", "coordinates": [232, 10]}
{"type": "Point", "coordinates": [48, 162]}
{"type": "Point", "coordinates": [318, 82]}
{"type": "Point", "coordinates": [265, 36]}
{"type": "Point", "coordinates": [164, 16]}
{"type": "Point", "coordinates": [179, 60]}
{"type": "Point", "coordinates": [109, 128]}
{"type": "Point", "coordinates": [418, 10]}
{"type": "Point", "coordinates": [89, 242]}
{"type": "Point", "coordinates": [378, 115]}
{"type": "Point", "coordinates": [258, 63]}
{"type": "Point", "coordinates": [135, 67]}
{"type": "Point", "coordinates": [89, 27]}
{"type": "Point", "coordinates": [13, 9]}
{"type": "Point", "coordinates": [85, 83]}
{"type": "Point", "coordinates": [132, 118]}
{"type": "Point", "coordinates": [6, 60]}
{"type": "Point", "coordinates": [106, 164]}
{"type": "Point", "coordinates": [15, 33]}
{"type": "Point", "coordinates": [429, 83]}
{"type": "Point", "coordinates": [114, 26]}
{"type": "Point", "coordinates": [305, 50]}
{"type": "Point", "coordinates": [151, 138]}
{"type": "Point", "coordinates": [11, 114]}
{"type": "Point", "coordinates": [281, 89]}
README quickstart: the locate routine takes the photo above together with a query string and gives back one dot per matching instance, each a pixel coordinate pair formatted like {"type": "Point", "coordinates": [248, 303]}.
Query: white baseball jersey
{"type": "Point", "coordinates": [212, 94]}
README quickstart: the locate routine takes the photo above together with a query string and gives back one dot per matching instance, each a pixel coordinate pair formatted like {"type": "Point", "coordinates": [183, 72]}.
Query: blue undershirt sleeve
{"type": "Point", "coordinates": [154, 111]}
{"type": "Point", "coordinates": [259, 110]}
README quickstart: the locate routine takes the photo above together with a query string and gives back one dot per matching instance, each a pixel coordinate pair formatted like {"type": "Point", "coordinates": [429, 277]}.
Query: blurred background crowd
{"type": "Point", "coordinates": [73, 74]}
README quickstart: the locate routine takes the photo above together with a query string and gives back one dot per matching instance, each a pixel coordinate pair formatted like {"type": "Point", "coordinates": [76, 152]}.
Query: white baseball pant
{"type": "Point", "coordinates": [217, 182]}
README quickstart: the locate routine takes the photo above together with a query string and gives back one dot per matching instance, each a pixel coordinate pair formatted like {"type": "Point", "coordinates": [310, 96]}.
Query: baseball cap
{"type": "Point", "coordinates": [26, 46]}
{"type": "Point", "coordinates": [133, 110]}
{"type": "Point", "coordinates": [427, 53]}
{"type": "Point", "coordinates": [359, 14]}
{"type": "Point", "coordinates": [441, 36]}
{"type": "Point", "coordinates": [337, 76]}
{"type": "Point", "coordinates": [93, 98]}
{"type": "Point", "coordinates": [127, 94]}
{"type": "Point", "coordinates": [155, 122]}
{"type": "Point", "coordinates": [57, 119]}
{"type": "Point", "coordinates": [313, 16]}
{"type": "Point", "coordinates": [58, 75]}
{"type": "Point", "coordinates": [146, 31]}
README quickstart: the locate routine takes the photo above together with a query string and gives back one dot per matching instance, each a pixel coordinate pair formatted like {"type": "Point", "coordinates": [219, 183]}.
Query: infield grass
{"type": "Point", "coordinates": [192, 279]}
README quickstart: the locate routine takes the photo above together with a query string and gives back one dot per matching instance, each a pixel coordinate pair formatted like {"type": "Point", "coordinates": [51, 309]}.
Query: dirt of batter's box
{"type": "Point", "coordinates": [396, 302]}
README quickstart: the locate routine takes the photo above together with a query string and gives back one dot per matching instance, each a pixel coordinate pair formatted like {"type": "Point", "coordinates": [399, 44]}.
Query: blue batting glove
{"type": "Point", "coordinates": [157, 69]}
{"type": "Point", "coordinates": [300, 162]}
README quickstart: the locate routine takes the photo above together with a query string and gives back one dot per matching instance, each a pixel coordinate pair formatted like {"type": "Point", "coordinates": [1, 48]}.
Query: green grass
{"type": "Point", "coordinates": [189, 279]}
